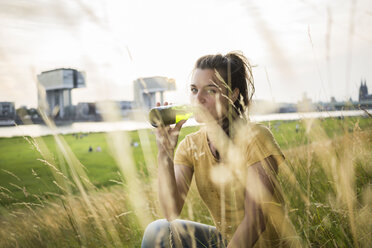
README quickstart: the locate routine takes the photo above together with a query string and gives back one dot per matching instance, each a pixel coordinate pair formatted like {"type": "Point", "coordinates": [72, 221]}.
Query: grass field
{"type": "Point", "coordinates": [55, 193]}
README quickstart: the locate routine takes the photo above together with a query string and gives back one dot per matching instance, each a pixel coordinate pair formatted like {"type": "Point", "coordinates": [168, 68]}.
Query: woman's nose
{"type": "Point", "coordinates": [200, 97]}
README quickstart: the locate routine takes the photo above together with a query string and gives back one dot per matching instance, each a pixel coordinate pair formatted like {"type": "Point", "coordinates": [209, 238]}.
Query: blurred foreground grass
{"type": "Point", "coordinates": [326, 180]}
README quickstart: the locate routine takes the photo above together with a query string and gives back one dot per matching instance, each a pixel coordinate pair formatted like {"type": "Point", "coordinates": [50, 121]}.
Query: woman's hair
{"type": "Point", "coordinates": [236, 72]}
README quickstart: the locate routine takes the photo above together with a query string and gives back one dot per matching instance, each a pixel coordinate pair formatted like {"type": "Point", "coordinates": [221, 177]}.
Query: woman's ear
{"type": "Point", "coordinates": [235, 94]}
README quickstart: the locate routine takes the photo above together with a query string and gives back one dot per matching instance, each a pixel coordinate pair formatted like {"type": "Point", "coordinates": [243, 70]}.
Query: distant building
{"type": "Point", "coordinates": [305, 104]}
{"type": "Point", "coordinates": [58, 84]}
{"type": "Point", "coordinates": [327, 106]}
{"type": "Point", "coordinates": [259, 106]}
{"type": "Point", "coordinates": [7, 111]}
{"type": "Point", "coordinates": [363, 91]}
{"type": "Point", "coordinates": [125, 108]}
{"type": "Point", "coordinates": [86, 111]}
{"type": "Point", "coordinates": [147, 91]}
{"type": "Point", "coordinates": [287, 108]}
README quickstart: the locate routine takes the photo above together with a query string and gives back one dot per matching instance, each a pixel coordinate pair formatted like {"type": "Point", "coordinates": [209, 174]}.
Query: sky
{"type": "Point", "coordinates": [315, 47]}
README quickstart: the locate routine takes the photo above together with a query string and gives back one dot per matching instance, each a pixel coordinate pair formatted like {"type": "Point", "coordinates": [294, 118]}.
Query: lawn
{"type": "Point", "coordinates": [54, 192]}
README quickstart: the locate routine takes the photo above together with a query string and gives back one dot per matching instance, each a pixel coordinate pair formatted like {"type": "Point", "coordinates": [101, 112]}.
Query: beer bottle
{"type": "Point", "coordinates": [170, 114]}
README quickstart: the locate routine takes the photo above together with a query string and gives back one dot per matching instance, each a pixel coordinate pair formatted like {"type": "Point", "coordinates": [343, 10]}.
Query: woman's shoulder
{"type": "Point", "coordinates": [196, 136]}
{"type": "Point", "coordinates": [253, 130]}
{"type": "Point", "coordinates": [259, 128]}
{"type": "Point", "coordinates": [260, 144]}
{"type": "Point", "coordinates": [188, 146]}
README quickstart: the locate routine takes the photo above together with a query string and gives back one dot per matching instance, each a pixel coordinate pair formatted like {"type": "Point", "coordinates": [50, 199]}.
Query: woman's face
{"type": "Point", "coordinates": [208, 94]}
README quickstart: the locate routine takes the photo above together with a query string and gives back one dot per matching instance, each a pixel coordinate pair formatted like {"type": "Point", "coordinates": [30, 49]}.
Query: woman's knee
{"type": "Point", "coordinates": [157, 225]}
{"type": "Point", "coordinates": [156, 234]}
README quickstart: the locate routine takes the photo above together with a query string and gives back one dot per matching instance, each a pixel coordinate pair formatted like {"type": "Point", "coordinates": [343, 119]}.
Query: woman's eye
{"type": "Point", "coordinates": [194, 90]}
{"type": "Point", "coordinates": [211, 91]}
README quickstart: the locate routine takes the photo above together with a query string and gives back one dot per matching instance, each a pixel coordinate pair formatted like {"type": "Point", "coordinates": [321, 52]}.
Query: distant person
{"type": "Point", "coordinates": [90, 149]}
{"type": "Point", "coordinates": [233, 160]}
{"type": "Point", "coordinates": [98, 149]}
{"type": "Point", "coordinates": [297, 128]}
{"type": "Point", "coordinates": [134, 143]}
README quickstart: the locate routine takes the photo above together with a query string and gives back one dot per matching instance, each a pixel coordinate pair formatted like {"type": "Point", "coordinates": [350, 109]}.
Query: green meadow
{"type": "Point", "coordinates": [54, 192]}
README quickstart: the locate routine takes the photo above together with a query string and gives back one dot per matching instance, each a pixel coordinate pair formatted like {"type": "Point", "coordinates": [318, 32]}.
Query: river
{"type": "Point", "coordinates": [128, 125]}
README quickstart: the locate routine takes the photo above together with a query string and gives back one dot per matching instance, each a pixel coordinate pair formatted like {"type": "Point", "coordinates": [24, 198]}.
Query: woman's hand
{"type": "Point", "coordinates": [167, 137]}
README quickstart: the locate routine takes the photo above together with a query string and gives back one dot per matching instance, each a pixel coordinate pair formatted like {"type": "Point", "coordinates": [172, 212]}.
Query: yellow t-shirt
{"type": "Point", "coordinates": [221, 184]}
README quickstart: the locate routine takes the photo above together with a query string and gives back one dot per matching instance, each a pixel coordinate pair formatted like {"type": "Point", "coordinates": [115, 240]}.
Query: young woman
{"type": "Point", "coordinates": [234, 163]}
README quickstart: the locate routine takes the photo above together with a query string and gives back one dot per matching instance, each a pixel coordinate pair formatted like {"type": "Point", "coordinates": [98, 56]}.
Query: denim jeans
{"type": "Point", "coordinates": [181, 233]}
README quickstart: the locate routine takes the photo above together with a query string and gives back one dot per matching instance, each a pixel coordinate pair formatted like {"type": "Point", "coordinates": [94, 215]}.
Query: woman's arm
{"type": "Point", "coordinates": [259, 187]}
{"type": "Point", "coordinates": [173, 180]}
